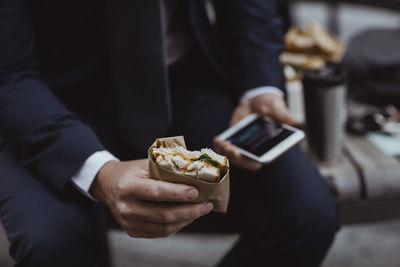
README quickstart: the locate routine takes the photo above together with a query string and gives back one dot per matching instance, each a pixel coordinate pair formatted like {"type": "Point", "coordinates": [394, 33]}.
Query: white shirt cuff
{"type": "Point", "coordinates": [259, 91]}
{"type": "Point", "coordinates": [84, 177]}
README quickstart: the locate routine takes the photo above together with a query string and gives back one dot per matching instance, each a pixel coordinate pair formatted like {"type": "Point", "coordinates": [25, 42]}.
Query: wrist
{"type": "Point", "coordinates": [100, 182]}
{"type": "Point", "coordinates": [254, 92]}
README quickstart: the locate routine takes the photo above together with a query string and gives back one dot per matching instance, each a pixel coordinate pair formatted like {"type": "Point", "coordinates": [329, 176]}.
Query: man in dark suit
{"type": "Point", "coordinates": [84, 91]}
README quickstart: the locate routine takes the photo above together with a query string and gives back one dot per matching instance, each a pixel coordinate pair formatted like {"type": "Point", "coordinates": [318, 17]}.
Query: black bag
{"type": "Point", "coordinates": [372, 62]}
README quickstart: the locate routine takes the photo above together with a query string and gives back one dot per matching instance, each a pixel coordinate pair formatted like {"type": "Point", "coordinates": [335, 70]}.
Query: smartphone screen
{"type": "Point", "coordinates": [260, 136]}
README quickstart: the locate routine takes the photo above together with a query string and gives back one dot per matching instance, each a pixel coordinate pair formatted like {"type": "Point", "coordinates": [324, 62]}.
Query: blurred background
{"type": "Point", "coordinates": [366, 178]}
{"type": "Point", "coordinates": [371, 230]}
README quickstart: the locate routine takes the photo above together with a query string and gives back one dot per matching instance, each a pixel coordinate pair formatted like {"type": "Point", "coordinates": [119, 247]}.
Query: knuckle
{"type": "Point", "coordinates": [124, 226]}
{"type": "Point", "coordinates": [256, 167]}
{"type": "Point", "coordinates": [123, 209]}
{"type": "Point", "coordinates": [152, 191]}
{"type": "Point", "coordinates": [163, 231]}
{"type": "Point", "coordinates": [264, 110]}
{"type": "Point", "coordinates": [121, 188]}
{"type": "Point", "coordinates": [194, 214]}
{"type": "Point", "coordinates": [199, 212]}
{"type": "Point", "coordinates": [136, 230]}
{"type": "Point", "coordinates": [136, 234]}
{"type": "Point", "coordinates": [167, 216]}
{"type": "Point", "coordinates": [171, 230]}
{"type": "Point", "coordinates": [120, 184]}
{"type": "Point", "coordinates": [166, 231]}
{"type": "Point", "coordinates": [177, 194]}
{"type": "Point", "coordinates": [131, 233]}
{"type": "Point", "coordinates": [232, 155]}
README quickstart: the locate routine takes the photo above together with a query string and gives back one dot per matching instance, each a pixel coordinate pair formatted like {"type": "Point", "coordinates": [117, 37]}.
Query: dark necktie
{"type": "Point", "coordinates": [138, 70]}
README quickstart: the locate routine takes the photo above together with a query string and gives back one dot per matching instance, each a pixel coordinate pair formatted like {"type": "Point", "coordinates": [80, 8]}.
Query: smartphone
{"type": "Point", "coordinates": [262, 138]}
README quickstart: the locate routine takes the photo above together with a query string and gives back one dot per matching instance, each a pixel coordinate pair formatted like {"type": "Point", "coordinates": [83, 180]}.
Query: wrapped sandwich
{"type": "Point", "coordinates": [170, 161]}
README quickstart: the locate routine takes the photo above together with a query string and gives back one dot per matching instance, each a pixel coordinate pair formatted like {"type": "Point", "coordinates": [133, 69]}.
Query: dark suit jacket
{"type": "Point", "coordinates": [50, 49]}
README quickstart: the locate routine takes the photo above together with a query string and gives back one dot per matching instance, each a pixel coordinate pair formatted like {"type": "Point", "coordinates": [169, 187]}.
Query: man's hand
{"type": "Point", "coordinates": [145, 207]}
{"type": "Point", "coordinates": [268, 104]}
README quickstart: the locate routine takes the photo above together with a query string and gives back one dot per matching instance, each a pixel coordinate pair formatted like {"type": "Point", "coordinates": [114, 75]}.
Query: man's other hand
{"type": "Point", "coordinates": [145, 207]}
{"type": "Point", "coordinates": [268, 104]}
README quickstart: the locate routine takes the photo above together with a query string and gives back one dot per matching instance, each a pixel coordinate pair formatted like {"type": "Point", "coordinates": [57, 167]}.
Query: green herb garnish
{"type": "Point", "coordinates": [208, 159]}
{"type": "Point", "coordinates": [297, 68]}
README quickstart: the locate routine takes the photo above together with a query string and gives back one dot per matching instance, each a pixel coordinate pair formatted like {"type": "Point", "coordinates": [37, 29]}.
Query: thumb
{"type": "Point", "coordinates": [286, 117]}
{"type": "Point", "coordinates": [262, 110]}
{"type": "Point", "coordinates": [281, 113]}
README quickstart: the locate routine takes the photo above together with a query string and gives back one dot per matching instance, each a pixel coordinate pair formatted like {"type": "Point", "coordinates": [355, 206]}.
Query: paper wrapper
{"type": "Point", "coordinates": [217, 193]}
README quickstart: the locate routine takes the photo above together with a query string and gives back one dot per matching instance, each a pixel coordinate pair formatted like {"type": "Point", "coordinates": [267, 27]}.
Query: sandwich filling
{"type": "Point", "coordinates": [205, 165]}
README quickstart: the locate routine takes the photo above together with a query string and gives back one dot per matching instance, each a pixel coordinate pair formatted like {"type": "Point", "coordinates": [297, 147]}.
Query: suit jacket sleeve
{"type": "Point", "coordinates": [49, 140]}
{"type": "Point", "coordinates": [251, 34]}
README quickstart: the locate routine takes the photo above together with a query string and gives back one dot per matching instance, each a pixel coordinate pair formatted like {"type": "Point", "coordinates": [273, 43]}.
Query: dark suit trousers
{"type": "Point", "coordinates": [284, 213]}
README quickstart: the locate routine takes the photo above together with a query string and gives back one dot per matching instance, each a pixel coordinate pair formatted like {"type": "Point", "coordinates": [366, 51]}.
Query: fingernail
{"type": "Point", "coordinates": [192, 194]}
{"type": "Point", "coordinates": [207, 208]}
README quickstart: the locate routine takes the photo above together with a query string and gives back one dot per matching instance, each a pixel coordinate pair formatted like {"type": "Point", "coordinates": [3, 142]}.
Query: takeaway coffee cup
{"type": "Point", "coordinates": [325, 109]}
